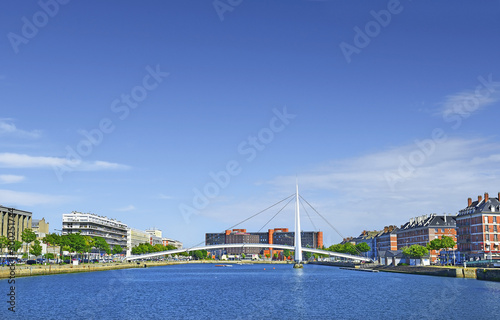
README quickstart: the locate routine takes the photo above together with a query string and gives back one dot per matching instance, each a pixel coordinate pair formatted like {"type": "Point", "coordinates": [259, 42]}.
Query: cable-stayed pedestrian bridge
{"type": "Point", "coordinates": [247, 245]}
{"type": "Point", "coordinates": [297, 248]}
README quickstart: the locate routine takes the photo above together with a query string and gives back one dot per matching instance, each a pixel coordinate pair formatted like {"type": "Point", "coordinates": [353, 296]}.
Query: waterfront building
{"type": "Point", "coordinates": [479, 228]}
{"type": "Point", "coordinates": [272, 236]}
{"type": "Point", "coordinates": [387, 240]}
{"type": "Point", "coordinates": [421, 230]}
{"type": "Point", "coordinates": [17, 220]}
{"type": "Point", "coordinates": [136, 237]}
{"type": "Point", "coordinates": [41, 229]}
{"type": "Point", "coordinates": [370, 238]}
{"type": "Point", "coordinates": [172, 242]}
{"type": "Point", "coordinates": [155, 236]}
{"type": "Point", "coordinates": [89, 224]}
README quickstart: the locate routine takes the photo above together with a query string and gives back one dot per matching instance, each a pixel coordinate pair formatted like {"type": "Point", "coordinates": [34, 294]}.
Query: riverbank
{"type": "Point", "coordinates": [41, 270]}
{"type": "Point", "coordinates": [487, 274]}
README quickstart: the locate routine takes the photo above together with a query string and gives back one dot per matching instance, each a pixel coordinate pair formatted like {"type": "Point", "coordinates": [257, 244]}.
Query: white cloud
{"type": "Point", "coordinates": [468, 101]}
{"type": "Point", "coordinates": [165, 197]}
{"type": "Point", "coordinates": [127, 208]}
{"type": "Point", "coordinates": [10, 178]}
{"type": "Point", "coordinates": [355, 195]}
{"type": "Point", "coordinates": [21, 199]}
{"type": "Point", "coordinates": [8, 128]}
{"type": "Point", "coordinates": [16, 160]}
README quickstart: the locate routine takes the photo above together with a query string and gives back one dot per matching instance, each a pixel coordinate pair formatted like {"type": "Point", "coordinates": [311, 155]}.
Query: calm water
{"type": "Point", "coordinates": [250, 292]}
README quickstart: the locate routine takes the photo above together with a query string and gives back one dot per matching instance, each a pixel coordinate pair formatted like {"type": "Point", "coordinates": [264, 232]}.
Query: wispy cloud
{"type": "Point", "coordinates": [468, 101]}
{"type": "Point", "coordinates": [28, 199]}
{"type": "Point", "coordinates": [353, 194]}
{"type": "Point", "coordinates": [10, 178]}
{"type": "Point", "coordinates": [127, 208]}
{"type": "Point", "coordinates": [165, 197]}
{"type": "Point", "coordinates": [8, 128]}
{"type": "Point", "coordinates": [16, 160]}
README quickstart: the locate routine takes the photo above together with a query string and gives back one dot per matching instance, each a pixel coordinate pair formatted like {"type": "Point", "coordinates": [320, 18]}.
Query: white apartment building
{"type": "Point", "coordinates": [89, 224]}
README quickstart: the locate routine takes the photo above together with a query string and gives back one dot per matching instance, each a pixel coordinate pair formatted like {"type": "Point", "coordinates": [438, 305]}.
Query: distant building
{"type": "Point", "coordinates": [387, 240]}
{"type": "Point", "coordinates": [41, 229]}
{"type": "Point", "coordinates": [172, 242]}
{"type": "Point", "coordinates": [478, 228]}
{"type": "Point", "coordinates": [19, 220]}
{"type": "Point", "coordinates": [370, 238]}
{"type": "Point", "coordinates": [89, 224]}
{"type": "Point", "coordinates": [272, 236]}
{"type": "Point", "coordinates": [136, 237]}
{"type": "Point", "coordinates": [421, 230]}
{"type": "Point", "coordinates": [155, 236]}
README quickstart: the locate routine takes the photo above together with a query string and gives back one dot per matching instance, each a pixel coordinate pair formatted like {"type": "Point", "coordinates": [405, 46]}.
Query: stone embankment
{"type": "Point", "coordinates": [39, 270]}
{"type": "Point", "coordinates": [490, 274]}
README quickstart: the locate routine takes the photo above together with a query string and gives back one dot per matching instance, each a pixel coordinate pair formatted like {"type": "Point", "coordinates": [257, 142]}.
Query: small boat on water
{"type": "Point", "coordinates": [223, 265]}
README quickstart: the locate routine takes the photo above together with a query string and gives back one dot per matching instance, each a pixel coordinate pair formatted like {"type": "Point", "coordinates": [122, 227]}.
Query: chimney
{"type": "Point", "coordinates": [486, 197]}
{"type": "Point", "coordinates": [469, 201]}
{"type": "Point", "coordinates": [445, 218]}
{"type": "Point", "coordinates": [479, 198]}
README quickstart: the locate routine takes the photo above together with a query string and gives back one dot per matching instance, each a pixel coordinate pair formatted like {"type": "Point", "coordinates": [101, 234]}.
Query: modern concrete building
{"type": "Point", "coordinates": [41, 229]}
{"type": "Point", "coordinates": [13, 222]}
{"type": "Point", "coordinates": [89, 224]}
{"type": "Point", "coordinates": [422, 230]}
{"type": "Point", "coordinates": [155, 236]}
{"type": "Point", "coordinates": [135, 237]}
{"type": "Point", "coordinates": [175, 243]}
{"type": "Point", "coordinates": [479, 228]}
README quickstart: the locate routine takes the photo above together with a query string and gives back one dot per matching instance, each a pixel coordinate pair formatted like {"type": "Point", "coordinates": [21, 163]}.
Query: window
{"type": "Point", "coordinates": [495, 219]}
{"type": "Point", "coordinates": [485, 219]}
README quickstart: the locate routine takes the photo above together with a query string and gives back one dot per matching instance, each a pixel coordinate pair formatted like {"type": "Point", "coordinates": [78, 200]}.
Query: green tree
{"type": "Point", "coordinates": [15, 246]}
{"type": "Point", "coordinates": [447, 242]}
{"type": "Point", "coordinates": [198, 255]}
{"type": "Point", "coordinates": [4, 243]}
{"type": "Point", "coordinates": [28, 236]}
{"type": "Point", "coordinates": [117, 249]}
{"type": "Point", "coordinates": [350, 248]}
{"type": "Point", "coordinates": [435, 244]}
{"type": "Point", "coordinates": [36, 248]}
{"type": "Point", "coordinates": [415, 251]}
{"type": "Point", "coordinates": [363, 247]}
{"type": "Point", "coordinates": [52, 240]}
{"type": "Point", "coordinates": [101, 245]}
{"type": "Point", "coordinates": [286, 253]}
{"type": "Point", "coordinates": [243, 256]}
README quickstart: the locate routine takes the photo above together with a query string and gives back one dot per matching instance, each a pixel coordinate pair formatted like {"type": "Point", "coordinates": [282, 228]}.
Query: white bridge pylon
{"type": "Point", "coordinates": [246, 245]}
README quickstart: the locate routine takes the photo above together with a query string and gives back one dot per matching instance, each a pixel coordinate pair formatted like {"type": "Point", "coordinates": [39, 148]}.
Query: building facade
{"type": "Point", "coordinates": [89, 224]}
{"type": "Point", "coordinates": [136, 237]}
{"type": "Point", "coordinates": [172, 242]}
{"type": "Point", "coordinates": [13, 222]}
{"type": "Point", "coordinates": [387, 240]}
{"type": "Point", "coordinates": [41, 229]}
{"type": "Point", "coordinates": [422, 230]}
{"type": "Point", "coordinates": [272, 236]}
{"type": "Point", "coordinates": [479, 228]}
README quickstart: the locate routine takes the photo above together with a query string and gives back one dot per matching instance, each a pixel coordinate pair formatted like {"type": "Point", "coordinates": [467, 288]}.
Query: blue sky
{"type": "Point", "coordinates": [383, 110]}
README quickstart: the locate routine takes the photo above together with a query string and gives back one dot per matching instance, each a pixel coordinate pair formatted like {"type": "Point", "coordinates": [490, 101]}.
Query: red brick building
{"type": "Point", "coordinates": [478, 228]}
{"type": "Point", "coordinates": [422, 230]}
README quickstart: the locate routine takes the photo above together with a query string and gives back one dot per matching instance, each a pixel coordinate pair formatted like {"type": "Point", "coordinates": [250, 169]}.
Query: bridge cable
{"type": "Point", "coordinates": [328, 222]}
{"type": "Point", "coordinates": [245, 219]}
{"type": "Point", "coordinates": [276, 214]}
{"type": "Point", "coordinates": [304, 207]}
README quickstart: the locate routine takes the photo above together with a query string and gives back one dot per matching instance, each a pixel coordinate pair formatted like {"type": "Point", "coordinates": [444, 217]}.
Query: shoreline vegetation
{"type": "Point", "coordinates": [488, 274]}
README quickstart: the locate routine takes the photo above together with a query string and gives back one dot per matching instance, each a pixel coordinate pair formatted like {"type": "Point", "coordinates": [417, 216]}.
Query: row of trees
{"type": "Point", "coordinates": [149, 248]}
{"type": "Point", "coordinates": [417, 251]}
{"type": "Point", "coordinates": [76, 243]}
